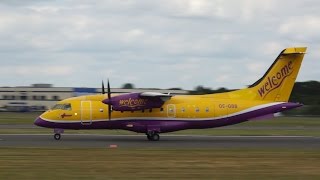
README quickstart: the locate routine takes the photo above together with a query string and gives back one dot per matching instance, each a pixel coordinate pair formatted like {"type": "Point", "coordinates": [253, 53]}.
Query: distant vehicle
{"type": "Point", "coordinates": [153, 113]}
{"type": "Point", "coordinates": [17, 107]}
{"type": "Point", "coordinates": [38, 108]}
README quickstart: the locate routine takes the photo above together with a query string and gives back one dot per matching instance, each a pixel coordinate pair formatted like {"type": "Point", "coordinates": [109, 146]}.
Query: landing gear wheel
{"type": "Point", "coordinates": [57, 136]}
{"type": "Point", "coordinates": [156, 137]}
{"type": "Point", "coordinates": [153, 137]}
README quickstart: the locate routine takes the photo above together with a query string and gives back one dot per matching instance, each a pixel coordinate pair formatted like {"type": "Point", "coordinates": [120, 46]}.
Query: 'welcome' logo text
{"type": "Point", "coordinates": [273, 82]}
{"type": "Point", "coordinates": [132, 102]}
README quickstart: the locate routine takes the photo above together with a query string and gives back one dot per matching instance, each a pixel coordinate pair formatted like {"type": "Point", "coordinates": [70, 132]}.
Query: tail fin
{"type": "Point", "coordinates": [277, 83]}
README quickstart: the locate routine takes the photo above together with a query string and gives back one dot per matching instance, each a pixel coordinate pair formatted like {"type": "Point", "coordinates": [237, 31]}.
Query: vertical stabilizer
{"type": "Point", "coordinates": [277, 83]}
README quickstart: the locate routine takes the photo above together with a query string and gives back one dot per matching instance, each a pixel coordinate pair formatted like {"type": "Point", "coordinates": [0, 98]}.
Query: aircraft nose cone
{"type": "Point", "coordinates": [39, 122]}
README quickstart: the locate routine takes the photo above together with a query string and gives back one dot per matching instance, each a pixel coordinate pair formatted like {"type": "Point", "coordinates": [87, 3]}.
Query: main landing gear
{"type": "Point", "coordinates": [153, 136]}
{"type": "Point", "coordinates": [57, 134]}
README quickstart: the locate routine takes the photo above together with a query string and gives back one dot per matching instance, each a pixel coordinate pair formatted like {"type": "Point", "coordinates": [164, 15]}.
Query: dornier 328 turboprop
{"type": "Point", "coordinates": [154, 113]}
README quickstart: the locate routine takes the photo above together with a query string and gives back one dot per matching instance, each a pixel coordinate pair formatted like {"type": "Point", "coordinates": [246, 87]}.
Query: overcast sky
{"type": "Point", "coordinates": [156, 44]}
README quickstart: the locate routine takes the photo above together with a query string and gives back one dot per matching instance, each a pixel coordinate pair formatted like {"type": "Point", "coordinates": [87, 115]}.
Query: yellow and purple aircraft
{"type": "Point", "coordinates": [153, 113]}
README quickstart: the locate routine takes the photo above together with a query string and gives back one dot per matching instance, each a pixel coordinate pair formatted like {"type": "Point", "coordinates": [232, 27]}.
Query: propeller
{"type": "Point", "coordinates": [103, 92]}
{"type": "Point", "coordinates": [109, 97]}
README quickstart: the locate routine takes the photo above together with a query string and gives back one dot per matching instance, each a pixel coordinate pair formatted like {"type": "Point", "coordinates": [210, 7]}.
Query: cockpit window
{"type": "Point", "coordinates": [62, 107]}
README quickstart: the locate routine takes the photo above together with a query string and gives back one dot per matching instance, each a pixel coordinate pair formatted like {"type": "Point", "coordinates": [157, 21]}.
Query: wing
{"type": "Point", "coordinates": [163, 97]}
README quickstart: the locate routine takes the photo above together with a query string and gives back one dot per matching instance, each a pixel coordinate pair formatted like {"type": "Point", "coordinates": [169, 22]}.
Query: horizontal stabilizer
{"type": "Point", "coordinates": [295, 50]}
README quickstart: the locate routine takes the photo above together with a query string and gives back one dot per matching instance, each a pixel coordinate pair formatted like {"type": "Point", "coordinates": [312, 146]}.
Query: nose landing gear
{"type": "Point", "coordinates": [57, 134]}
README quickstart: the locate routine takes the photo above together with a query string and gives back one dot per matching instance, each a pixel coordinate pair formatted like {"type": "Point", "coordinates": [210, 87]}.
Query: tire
{"type": "Point", "coordinates": [155, 137]}
{"type": "Point", "coordinates": [57, 136]}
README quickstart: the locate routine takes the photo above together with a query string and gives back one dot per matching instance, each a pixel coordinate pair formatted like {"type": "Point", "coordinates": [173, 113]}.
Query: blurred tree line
{"type": "Point", "coordinates": [205, 90]}
{"type": "Point", "coordinates": [307, 93]}
{"type": "Point", "coordinates": [128, 86]}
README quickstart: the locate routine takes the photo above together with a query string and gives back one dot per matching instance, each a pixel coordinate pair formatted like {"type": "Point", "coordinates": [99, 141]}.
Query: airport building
{"type": "Point", "coordinates": [40, 97]}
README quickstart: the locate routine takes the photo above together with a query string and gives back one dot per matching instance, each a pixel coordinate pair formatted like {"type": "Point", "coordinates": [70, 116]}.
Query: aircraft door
{"type": "Point", "coordinates": [86, 112]}
{"type": "Point", "coordinates": [171, 110]}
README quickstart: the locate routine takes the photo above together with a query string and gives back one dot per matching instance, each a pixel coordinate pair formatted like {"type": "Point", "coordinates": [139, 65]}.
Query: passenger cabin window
{"type": "Point", "coordinates": [161, 109]}
{"type": "Point", "coordinates": [207, 109]}
{"type": "Point", "coordinates": [23, 97]}
{"type": "Point", "coordinates": [62, 107]}
{"type": "Point", "coordinates": [183, 109]}
{"type": "Point", "coordinates": [9, 97]}
{"type": "Point", "coordinates": [197, 109]}
{"type": "Point", "coordinates": [55, 98]}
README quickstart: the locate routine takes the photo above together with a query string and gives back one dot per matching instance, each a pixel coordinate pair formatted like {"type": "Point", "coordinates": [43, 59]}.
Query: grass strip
{"type": "Point", "coordinates": [40, 163]}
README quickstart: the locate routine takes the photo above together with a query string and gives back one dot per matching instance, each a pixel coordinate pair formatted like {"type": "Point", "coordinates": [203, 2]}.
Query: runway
{"type": "Point", "coordinates": [166, 141]}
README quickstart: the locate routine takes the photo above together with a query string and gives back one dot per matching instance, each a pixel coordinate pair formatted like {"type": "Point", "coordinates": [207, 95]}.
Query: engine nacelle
{"type": "Point", "coordinates": [133, 102]}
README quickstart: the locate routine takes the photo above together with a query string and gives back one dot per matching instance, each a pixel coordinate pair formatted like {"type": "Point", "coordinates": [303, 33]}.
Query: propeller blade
{"type": "Point", "coordinates": [109, 92]}
{"type": "Point", "coordinates": [109, 97]}
{"type": "Point", "coordinates": [109, 112]}
{"type": "Point", "coordinates": [103, 92]}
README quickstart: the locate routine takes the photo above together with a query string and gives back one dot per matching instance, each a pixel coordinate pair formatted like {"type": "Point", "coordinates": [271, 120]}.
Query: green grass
{"type": "Point", "coordinates": [18, 118]}
{"type": "Point", "coordinates": [284, 122]}
{"type": "Point", "coordinates": [37, 163]}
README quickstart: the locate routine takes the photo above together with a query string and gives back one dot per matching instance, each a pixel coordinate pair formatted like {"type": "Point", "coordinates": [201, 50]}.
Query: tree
{"type": "Point", "coordinates": [201, 90]}
{"type": "Point", "coordinates": [175, 89]}
{"type": "Point", "coordinates": [128, 86]}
